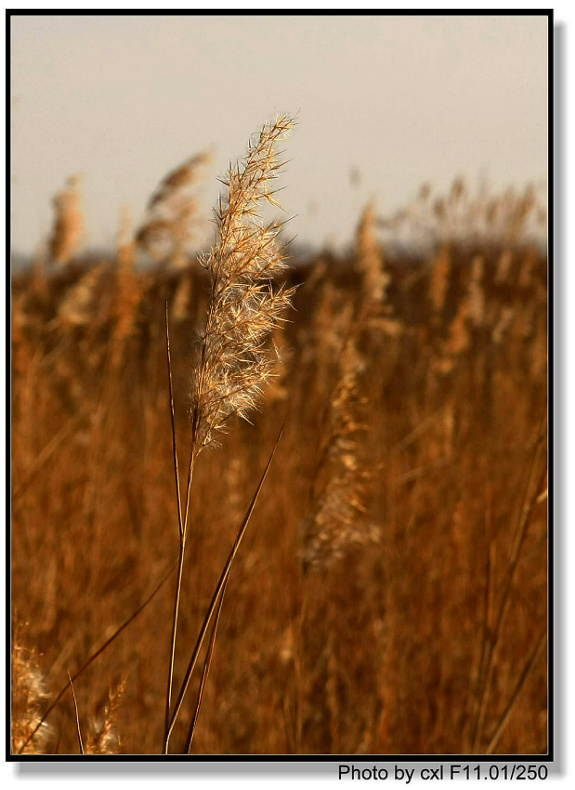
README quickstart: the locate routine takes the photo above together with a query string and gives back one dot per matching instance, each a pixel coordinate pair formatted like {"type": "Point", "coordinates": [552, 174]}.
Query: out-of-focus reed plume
{"type": "Point", "coordinates": [501, 328]}
{"type": "Point", "coordinates": [439, 282]}
{"type": "Point", "coordinates": [180, 304]}
{"type": "Point", "coordinates": [338, 521]}
{"type": "Point", "coordinates": [130, 287]}
{"type": "Point", "coordinates": [78, 304]}
{"type": "Point", "coordinates": [103, 736]}
{"type": "Point", "coordinates": [374, 278]}
{"type": "Point", "coordinates": [29, 696]}
{"type": "Point", "coordinates": [476, 293]}
{"type": "Point", "coordinates": [461, 217]}
{"type": "Point", "coordinates": [458, 335]}
{"type": "Point", "coordinates": [68, 223]}
{"type": "Point", "coordinates": [125, 252]}
{"type": "Point", "coordinates": [504, 266]}
{"type": "Point", "coordinates": [172, 217]}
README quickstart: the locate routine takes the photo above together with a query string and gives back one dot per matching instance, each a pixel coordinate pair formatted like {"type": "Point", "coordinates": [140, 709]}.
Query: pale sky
{"type": "Point", "coordinates": [121, 100]}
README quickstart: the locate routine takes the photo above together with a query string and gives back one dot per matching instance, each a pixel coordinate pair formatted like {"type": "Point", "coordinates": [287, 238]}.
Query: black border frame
{"type": "Point", "coordinates": [552, 186]}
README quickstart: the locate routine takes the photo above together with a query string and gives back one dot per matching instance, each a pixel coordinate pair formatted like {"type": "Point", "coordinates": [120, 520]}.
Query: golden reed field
{"type": "Point", "coordinates": [383, 590]}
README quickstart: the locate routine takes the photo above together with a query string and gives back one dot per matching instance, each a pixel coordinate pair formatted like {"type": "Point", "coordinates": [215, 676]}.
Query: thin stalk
{"type": "Point", "coordinates": [215, 598]}
{"type": "Point", "coordinates": [174, 639]}
{"type": "Point", "coordinates": [173, 420]}
{"type": "Point", "coordinates": [205, 671]}
{"type": "Point", "coordinates": [521, 532]}
{"type": "Point", "coordinates": [183, 530]}
{"type": "Point", "coordinates": [78, 730]}
{"type": "Point", "coordinates": [177, 598]}
{"type": "Point", "coordinates": [474, 702]}
{"type": "Point", "coordinates": [512, 699]}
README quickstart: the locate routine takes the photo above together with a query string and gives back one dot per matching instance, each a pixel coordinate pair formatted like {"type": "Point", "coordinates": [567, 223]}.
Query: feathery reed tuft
{"type": "Point", "coordinates": [244, 308]}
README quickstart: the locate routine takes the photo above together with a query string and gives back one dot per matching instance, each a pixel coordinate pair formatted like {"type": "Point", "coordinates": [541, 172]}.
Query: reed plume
{"type": "Point", "coordinates": [125, 249]}
{"type": "Point", "coordinates": [244, 308]}
{"type": "Point", "coordinates": [172, 214]}
{"type": "Point", "coordinates": [476, 293]}
{"type": "Point", "coordinates": [504, 266]}
{"type": "Point", "coordinates": [78, 304]}
{"type": "Point", "coordinates": [501, 328]}
{"type": "Point", "coordinates": [458, 334]}
{"type": "Point", "coordinates": [103, 737]}
{"type": "Point", "coordinates": [29, 697]}
{"type": "Point", "coordinates": [374, 279]}
{"type": "Point", "coordinates": [130, 287]}
{"type": "Point", "coordinates": [439, 283]}
{"type": "Point", "coordinates": [180, 303]}
{"type": "Point", "coordinates": [337, 520]}
{"type": "Point", "coordinates": [68, 223]}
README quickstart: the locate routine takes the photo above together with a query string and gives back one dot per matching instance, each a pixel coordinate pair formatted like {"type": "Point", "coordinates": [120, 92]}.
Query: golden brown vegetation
{"type": "Point", "coordinates": [390, 596]}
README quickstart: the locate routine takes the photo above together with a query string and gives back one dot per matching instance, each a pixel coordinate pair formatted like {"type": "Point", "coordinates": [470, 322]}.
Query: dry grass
{"type": "Point", "coordinates": [410, 481]}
